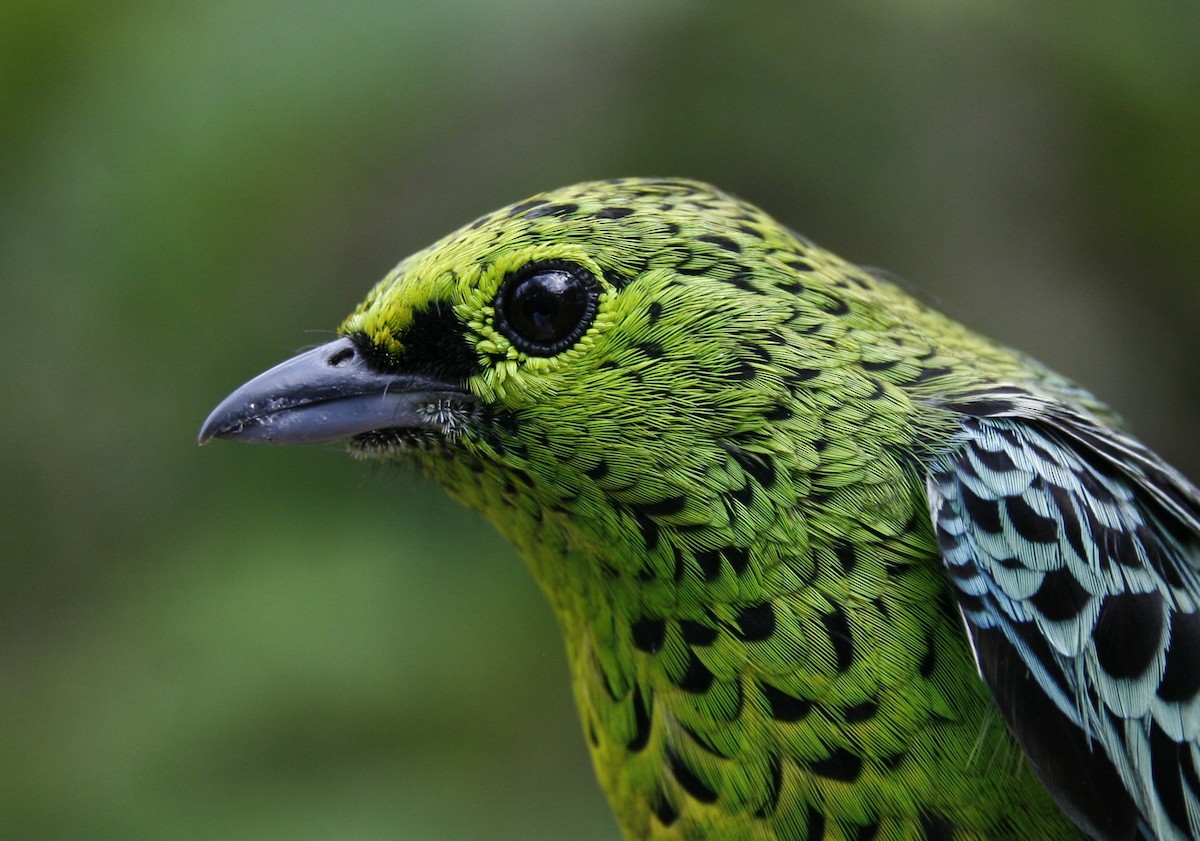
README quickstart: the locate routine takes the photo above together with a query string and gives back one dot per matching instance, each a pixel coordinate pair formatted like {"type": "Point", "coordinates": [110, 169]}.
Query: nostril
{"type": "Point", "coordinates": [340, 358]}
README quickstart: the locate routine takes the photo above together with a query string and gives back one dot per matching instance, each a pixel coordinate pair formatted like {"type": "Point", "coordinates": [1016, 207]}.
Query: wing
{"type": "Point", "coordinates": [1075, 556]}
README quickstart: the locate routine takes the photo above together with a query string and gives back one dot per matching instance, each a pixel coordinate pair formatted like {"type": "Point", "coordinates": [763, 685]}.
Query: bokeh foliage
{"type": "Point", "coordinates": [243, 643]}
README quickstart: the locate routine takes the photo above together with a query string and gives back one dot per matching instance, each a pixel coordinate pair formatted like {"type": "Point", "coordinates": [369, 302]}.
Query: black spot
{"type": "Point", "coordinates": [971, 603]}
{"type": "Point", "coordinates": [860, 712]}
{"type": "Point", "coordinates": [652, 349]}
{"type": "Point", "coordinates": [980, 408]}
{"type": "Point", "coordinates": [1044, 453]}
{"type": "Point", "coordinates": [947, 541]}
{"type": "Point", "coordinates": [641, 721]}
{"type": "Point", "coordinates": [648, 528]}
{"type": "Point", "coordinates": [614, 278]}
{"type": "Point", "coordinates": [710, 564]}
{"type": "Point", "coordinates": [838, 630]}
{"type": "Point", "coordinates": [1029, 524]}
{"type": "Point", "coordinates": [798, 265]}
{"type": "Point", "coordinates": [792, 287]}
{"type": "Point", "coordinates": [614, 212]}
{"type": "Point", "coordinates": [775, 338]}
{"type": "Point", "coordinates": [688, 780]}
{"type": "Point", "coordinates": [866, 831]}
{"type": "Point", "coordinates": [755, 622]}
{"type": "Point", "coordinates": [761, 467]}
{"type": "Point", "coordinates": [784, 707]}
{"type": "Point", "coordinates": [742, 280]}
{"type": "Point", "coordinates": [800, 375]}
{"type": "Point", "coordinates": [1128, 633]}
{"type": "Point", "coordinates": [774, 785]}
{"type": "Point", "coordinates": [703, 742]}
{"type": "Point", "coordinates": [648, 634]}
{"type": "Point", "coordinates": [935, 827]}
{"type": "Point", "coordinates": [966, 468]}
{"type": "Point", "coordinates": [1061, 596]}
{"type": "Point", "coordinates": [745, 370]}
{"type": "Point", "coordinates": [816, 824]}
{"type": "Point", "coordinates": [835, 306]}
{"type": "Point", "coordinates": [927, 374]}
{"type": "Point", "coordinates": [598, 472]}
{"type": "Point", "coordinates": [1181, 680]}
{"type": "Point", "coordinates": [997, 460]}
{"type": "Point", "coordinates": [893, 761]}
{"type": "Point", "coordinates": [694, 633]}
{"type": "Point", "coordinates": [738, 558]}
{"type": "Point", "coordinates": [882, 365]}
{"type": "Point", "coordinates": [758, 350]}
{"type": "Point", "coordinates": [697, 678]}
{"type": "Point", "coordinates": [882, 607]}
{"type": "Point", "coordinates": [661, 508]}
{"type": "Point", "coordinates": [1072, 528]}
{"type": "Point", "coordinates": [663, 810]}
{"type": "Point", "coordinates": [1009, 436]}
{"type": "Point", "coordinates": [680, 565]}
{"type": "Point", "coordinates": [846, 555]}
{"type": "Point", "coordinates": [778, 413]}
{"type": "Point", "coordinates": [839, 765]}
{"type": "Point", "coordinates": [518, 209]}
{"type": "Point", "coordinates": [722, 242]}
{"type": "Point", "coordinates": [983, 512]}
{"type": "Point", "coordinates": [565, 209]}
{"type": "Point", "coordinates": [744, 494]}
{"type": "Point", "coordinates": [654, 311]}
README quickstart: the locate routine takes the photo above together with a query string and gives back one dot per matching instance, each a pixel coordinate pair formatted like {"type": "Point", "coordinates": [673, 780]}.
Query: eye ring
{"type": "Point", "coordinates": [545, 306]}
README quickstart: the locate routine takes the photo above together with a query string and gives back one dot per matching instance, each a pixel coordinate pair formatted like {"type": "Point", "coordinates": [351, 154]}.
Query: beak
{"type": "Point", "coordinates": [327, 394]}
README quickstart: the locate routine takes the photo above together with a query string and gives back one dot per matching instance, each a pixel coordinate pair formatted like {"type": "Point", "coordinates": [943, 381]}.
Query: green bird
{"type": "Point", "coordinates": [828, 565]}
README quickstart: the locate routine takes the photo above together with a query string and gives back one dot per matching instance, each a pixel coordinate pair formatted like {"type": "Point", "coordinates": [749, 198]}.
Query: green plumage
{"type": "Point", "coordinates": [721, 486]}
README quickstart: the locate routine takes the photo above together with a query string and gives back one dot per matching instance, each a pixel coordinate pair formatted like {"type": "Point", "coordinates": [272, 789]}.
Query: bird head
{"type": "Point", "coordinates": [638, 371]}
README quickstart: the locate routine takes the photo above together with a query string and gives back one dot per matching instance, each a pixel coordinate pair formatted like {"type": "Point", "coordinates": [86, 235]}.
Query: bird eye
{"type": "Point", "coordinates": [544, 307]}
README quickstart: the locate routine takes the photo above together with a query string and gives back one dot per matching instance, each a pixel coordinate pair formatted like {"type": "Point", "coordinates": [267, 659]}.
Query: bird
{"type": "Point", "coordinates": [827, 563]}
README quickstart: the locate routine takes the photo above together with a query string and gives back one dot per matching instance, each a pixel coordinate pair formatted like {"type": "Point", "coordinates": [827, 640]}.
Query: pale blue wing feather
{"type": "Point", "coordinates": [1075, 554]}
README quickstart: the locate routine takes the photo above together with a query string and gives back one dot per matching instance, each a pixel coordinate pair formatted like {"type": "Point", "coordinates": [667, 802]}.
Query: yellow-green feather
{"type": "Point", "coordinates": [740, 432]}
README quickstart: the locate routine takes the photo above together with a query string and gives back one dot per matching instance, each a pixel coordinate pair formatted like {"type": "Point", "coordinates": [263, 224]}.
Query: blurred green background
{"type": "Point", "coordinates": [241, 643]}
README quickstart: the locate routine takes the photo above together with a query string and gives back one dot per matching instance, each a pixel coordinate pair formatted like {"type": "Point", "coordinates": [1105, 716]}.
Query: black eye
{"type": "Point", "coordinates": [544, 307]}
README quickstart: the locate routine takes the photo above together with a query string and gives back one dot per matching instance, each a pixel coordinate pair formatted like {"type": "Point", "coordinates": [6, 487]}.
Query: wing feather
{"type": "Point", "coordinates": [1075, 555]}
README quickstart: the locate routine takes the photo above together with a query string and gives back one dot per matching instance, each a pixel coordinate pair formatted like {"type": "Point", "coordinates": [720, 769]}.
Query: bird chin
{"type": "Point", "coordinates": [400, 442]}
{"type": "Point", "coordinates": [443, 422]}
